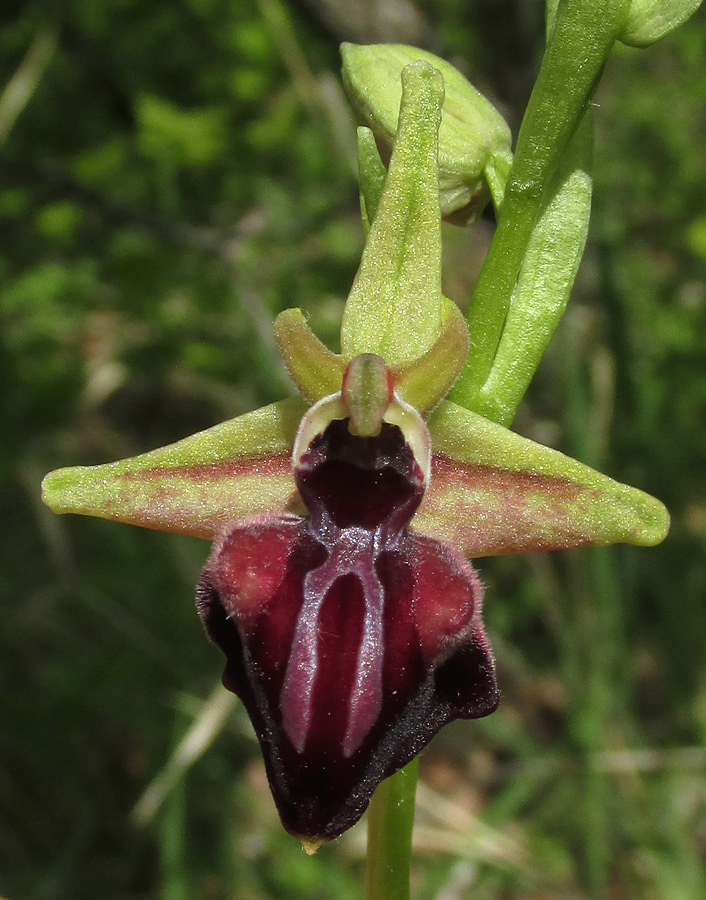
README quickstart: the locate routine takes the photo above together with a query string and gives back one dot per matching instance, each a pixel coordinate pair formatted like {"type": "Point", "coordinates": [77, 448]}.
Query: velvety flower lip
{"type": "Point", "coordinates": [350, 640]}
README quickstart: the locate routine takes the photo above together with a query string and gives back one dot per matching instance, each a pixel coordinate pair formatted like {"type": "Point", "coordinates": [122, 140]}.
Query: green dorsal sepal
{"type": "Point", "coordinates": [395, 306]}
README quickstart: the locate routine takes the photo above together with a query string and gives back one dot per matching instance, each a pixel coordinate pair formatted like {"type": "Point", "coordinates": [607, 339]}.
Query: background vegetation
{"type": "Point", "coordinates": [172, 175]}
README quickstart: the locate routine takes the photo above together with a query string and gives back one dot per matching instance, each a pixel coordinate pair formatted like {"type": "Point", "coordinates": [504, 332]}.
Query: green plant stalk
{"type": "Point", "coordinates": [172, 845]}
{"type": "Point", "coordinates": [578, 45]}
{"type": "Point", "coordinates": [390, 824]}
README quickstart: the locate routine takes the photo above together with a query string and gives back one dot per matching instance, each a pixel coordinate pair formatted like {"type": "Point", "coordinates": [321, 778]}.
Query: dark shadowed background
{"type": "Point", "coordinates": [172, 175]}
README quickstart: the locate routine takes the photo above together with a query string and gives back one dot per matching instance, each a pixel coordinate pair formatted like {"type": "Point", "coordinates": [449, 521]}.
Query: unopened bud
{"type": "Point", "coordinates": [474, 139]}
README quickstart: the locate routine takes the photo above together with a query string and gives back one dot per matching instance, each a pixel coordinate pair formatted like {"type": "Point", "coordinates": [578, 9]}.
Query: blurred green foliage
{"type": "Point", "coordinates": [172, 176]}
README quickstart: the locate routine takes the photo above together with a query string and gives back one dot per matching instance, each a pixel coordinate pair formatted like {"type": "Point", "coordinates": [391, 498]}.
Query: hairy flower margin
{"type": "Point", "coordinates": [339, 587]}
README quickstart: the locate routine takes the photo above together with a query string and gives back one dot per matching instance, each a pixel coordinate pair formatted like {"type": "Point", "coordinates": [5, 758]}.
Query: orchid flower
{"type": "Point", "coordinates": [339, 587]}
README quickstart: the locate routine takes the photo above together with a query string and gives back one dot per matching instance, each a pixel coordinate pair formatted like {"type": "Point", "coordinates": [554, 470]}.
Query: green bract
{"type": "Point", "coordinates": [544, 282]}
{"type": "Point", "coordinates": [580, 35]}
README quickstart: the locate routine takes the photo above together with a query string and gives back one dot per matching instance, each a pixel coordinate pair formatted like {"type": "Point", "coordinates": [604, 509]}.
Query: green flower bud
{"type": "Point", "coordinates": [649, 20]}
{"type": "Point", "coordinates": [474, 139]}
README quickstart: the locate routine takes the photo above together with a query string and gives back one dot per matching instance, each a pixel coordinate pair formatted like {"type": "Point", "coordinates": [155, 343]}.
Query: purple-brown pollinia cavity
{"type": "Point", "coordinates": [350, 641]}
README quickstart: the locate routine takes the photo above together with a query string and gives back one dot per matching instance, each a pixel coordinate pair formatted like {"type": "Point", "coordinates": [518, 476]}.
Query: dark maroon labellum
{"type": "Point", "coordinates": [350, 641]}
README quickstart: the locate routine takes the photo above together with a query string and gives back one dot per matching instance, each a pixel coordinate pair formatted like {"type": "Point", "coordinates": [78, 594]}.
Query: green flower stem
{"type": "Point", "coordinates": [390, 823]}
{"type": "Point", "coordinates": [578, 46]}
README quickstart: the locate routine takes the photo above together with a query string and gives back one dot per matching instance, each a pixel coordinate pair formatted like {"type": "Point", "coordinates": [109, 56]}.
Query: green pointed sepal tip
{"type": "Point", "coordinates": [315, 370]}
{"type": "Point", "coordinates": [494, 492]}
{"type": "Point", "coordinates": [395, 306]}
{"type": "Point", "coordinates": [197, 486]}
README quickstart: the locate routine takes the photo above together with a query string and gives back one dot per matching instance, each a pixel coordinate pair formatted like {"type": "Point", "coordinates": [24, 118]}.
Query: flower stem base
{"type": "Point", "coordinates": [390, 823]}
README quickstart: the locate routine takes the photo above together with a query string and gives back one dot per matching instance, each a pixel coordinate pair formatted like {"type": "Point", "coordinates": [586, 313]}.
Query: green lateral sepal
{"type": "Point", "coordinates": [196, 486]}
{"type": "Point", "coordinates": [494, 492]}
